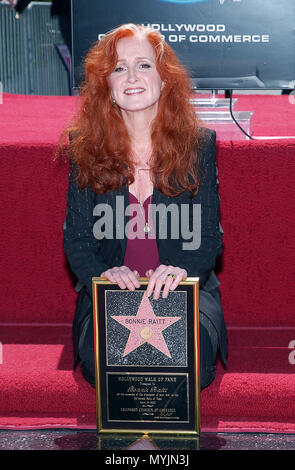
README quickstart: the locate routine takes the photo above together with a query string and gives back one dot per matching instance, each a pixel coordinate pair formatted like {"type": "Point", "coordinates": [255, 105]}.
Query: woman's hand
{"type": "Point", "coordinates": [123, 276]}
{"type": "Point", "coordinates": [170, 276]}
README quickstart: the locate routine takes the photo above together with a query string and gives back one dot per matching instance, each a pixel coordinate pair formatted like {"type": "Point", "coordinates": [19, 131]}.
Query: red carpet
{"type": "Point", "coordinates": [38, 385]}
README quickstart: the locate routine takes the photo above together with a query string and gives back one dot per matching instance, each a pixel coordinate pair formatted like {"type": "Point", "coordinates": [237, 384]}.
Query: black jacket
{"type": "Point", "coordinates": [89, 257]}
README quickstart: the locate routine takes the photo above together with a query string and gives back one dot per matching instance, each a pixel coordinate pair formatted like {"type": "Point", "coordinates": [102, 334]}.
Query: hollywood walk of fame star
{"type": "Point", "coordinates": [145, 327]}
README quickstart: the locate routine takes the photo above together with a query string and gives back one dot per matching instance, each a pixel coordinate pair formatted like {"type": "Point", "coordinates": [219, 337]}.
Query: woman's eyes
{"type": "Point", "coordinates": [145, 65]}
{"type": "Point", "coordinates": [122, 68]}
{"type": "Point", "coordinates": [119, 69]}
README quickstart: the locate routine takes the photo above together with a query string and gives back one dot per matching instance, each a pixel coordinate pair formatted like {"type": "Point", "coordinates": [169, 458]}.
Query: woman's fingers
{"type": "Point", "coordinates": [154, 278]}
{"type": "Point", "coordinates": [169, 276]}
{"type": "Point", "coordinates": [130, 279]}
{"type": "Point", "coordinates": [123, 276]}
{"type": "Point", "coordinates": [149, 273]}
{"type": "Point", "coordinates": [159, 283]}
{"type": "Point", "coordinates": [172, 282]}
{"type": "Point", "coordinates": [113, 275]}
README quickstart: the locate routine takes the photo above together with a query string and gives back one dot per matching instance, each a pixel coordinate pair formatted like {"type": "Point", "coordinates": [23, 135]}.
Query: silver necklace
{"type": "Point", "coordinates": [147, 228]}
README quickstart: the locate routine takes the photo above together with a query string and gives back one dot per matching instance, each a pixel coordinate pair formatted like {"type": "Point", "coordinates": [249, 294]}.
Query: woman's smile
{"type": "Point", "coordinates": [134, 91]}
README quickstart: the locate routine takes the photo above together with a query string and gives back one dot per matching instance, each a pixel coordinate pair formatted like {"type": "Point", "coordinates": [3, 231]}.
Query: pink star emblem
{"type": "Point", "coordinates": [146, 327]}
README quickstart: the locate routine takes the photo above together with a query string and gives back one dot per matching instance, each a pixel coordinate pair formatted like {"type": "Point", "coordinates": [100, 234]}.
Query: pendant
{"type": "Point", "coordinates": [147, 228]}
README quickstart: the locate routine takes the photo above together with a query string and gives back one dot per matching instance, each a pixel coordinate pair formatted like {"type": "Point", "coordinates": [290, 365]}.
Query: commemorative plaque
{"type": "Point", "coordinates": [147, 359]}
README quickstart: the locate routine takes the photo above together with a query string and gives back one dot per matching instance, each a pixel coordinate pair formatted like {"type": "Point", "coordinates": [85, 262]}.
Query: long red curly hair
{"type": "Point", "coordinates": [100, 144]}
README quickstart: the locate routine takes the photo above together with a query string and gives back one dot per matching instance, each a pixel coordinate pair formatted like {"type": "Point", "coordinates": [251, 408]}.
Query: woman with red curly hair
{"type": "Point", "coordinates": [136, 143]}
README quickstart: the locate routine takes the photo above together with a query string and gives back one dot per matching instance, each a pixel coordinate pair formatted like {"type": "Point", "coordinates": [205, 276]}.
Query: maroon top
{"type": "Point", "coordinates": [141, 253]}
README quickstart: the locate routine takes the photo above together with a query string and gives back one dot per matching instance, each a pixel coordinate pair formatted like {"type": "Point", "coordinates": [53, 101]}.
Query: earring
{"type": "Point", "coordinates": [113, 102]}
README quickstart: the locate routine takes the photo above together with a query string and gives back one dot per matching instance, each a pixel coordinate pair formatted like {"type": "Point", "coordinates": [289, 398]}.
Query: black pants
{"type": "Point", "coordinates": [208, 351]}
